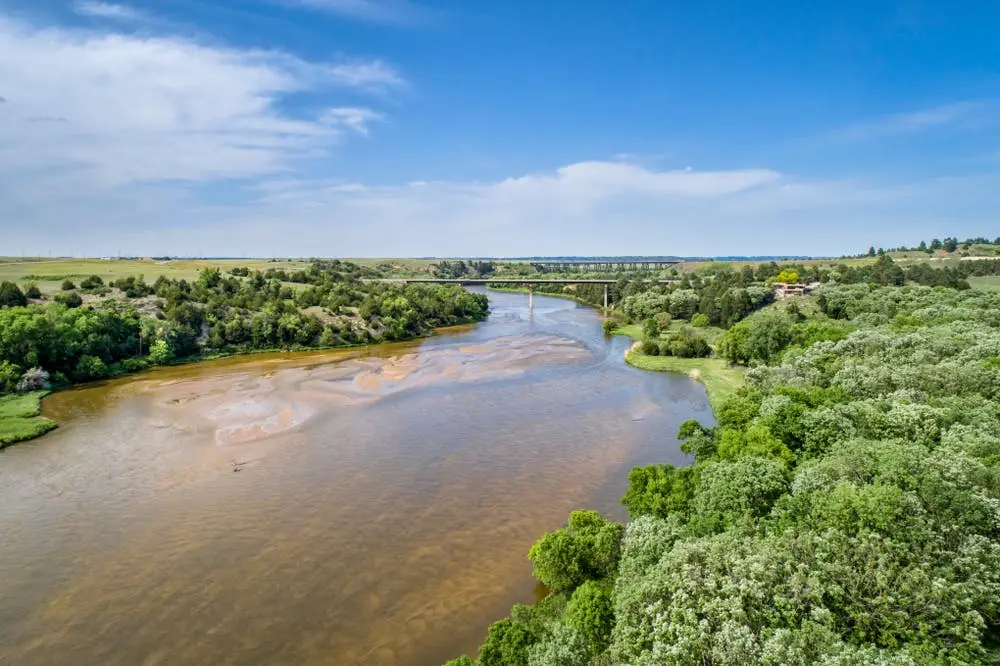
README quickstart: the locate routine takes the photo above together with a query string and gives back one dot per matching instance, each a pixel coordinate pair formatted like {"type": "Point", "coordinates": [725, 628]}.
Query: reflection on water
{"type": "Point", "coordinates": [385, 500]}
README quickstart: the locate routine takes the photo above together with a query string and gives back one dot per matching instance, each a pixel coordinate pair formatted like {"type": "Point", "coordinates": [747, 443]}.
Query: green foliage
{"type": "Point", "coordinates": [92, 283]}
{"type": "Point", "coordinates": [10, 374]}
{"type": "Point", "coordinates": [651, 327]}
{"type": "Point", "coordinates": [591, 613]}
{"type": "Point", "coordinates": [787, 276]}
{"type": "Point", "coordinates": [160, 353]}
{"type": "Point", "coordinates": [700, 320]}
{"type": "Point", "coordinates": [760, 338]}
{"type": "Point", "coordinates": [609, 326]}
{"type": "Point", "coordinates": [67, 285]}
{"type": "Point", "coordinates": [70, 299]}
{"type": "Point", "coordinates": [660, 490]}
{"type": "Point", "coordinates": [586, 549]}
{"type": "Point", "coordinates": [90, 367]}
{"type": "Point", "coordinates": [11, 295]}
{"type": "Point", "coordinates": [31, 290]}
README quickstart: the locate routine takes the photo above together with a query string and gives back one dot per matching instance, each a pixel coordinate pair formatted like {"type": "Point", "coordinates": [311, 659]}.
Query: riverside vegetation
{"type": "Point", "coordinates": [844, 508]}
{"type": "Point", "coordinates": [129, 325]}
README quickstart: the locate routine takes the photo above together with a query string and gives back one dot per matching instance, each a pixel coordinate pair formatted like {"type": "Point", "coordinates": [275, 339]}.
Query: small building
{"type": "Point", "coordinates": [786, 289]}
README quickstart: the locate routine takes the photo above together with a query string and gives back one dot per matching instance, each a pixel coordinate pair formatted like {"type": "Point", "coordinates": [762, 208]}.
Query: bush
{"type": "Point", "coordinates": [70, 299]}
{"type": "Point", "coordinates": [90, 367]}
{"type": "Point", "coordinates": [650, 327]}
{"type": "Point", "coordinates": [35, 379]}
{"type": "Point", "coordinates": [700, 320]}
{"type": "Point", "coordinates": [9, 376]}
{"type": "Point", "coordinates": [32, 291]}
{"type": "Point", "coordinates": [134, 364]}
{"type": "Point", "coordinates": [609, 326]}
{"type": "Point", "coordinates": [11, 295]}
{"type": "Point", "coordinates": [68, 285]}
{"type": "Point", "coordinates": [92, 282]}
{"type": "Point", "coordinates": [649, 348]}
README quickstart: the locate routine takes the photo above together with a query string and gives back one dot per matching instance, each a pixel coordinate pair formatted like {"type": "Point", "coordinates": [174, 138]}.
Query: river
{"type": "Point", "coordinates": [382, 510]}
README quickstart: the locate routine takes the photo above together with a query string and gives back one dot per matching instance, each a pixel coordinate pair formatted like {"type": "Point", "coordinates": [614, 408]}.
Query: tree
{"type": "Point", "coordinates": [787, 276]}
{"type": "Point", "coordinates": [32, 291]}
{"type": "Point", "coordinates": [590, 612]}
{"type": "Point", "coordinates": [871, 251]}
{"type": "Point", "coordinates": [68, 285]}
{"type": "Point", "coordinates": [9, 376]}
{"type": "Point", "coordinates": [11, 295]}
{"type": "Point", "coordinates": [90, 367]}
{"type": "Point", "coordinates": [699, 320]}
{"type": "Point", "coordinates": [160, 353]}
{"type": "Point", "coordinates": [586, 549]}
{"type": "Point", "coordinates": [609, 326]}
{"type": "Point", "coordinates": [950, 244]}
{"type": "Point", "coordinates": [936, 244]}
{"type": "Point", "coordinates": [922, 247]}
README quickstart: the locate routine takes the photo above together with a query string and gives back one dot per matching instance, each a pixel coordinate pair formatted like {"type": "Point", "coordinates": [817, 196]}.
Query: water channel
{"type": "Point", "coordinates": [382, 510]}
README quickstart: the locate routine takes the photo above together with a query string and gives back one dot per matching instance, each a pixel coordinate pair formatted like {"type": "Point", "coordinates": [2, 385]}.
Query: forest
{"type": "Point", "coordinates": [128, 324]}
{"type": "Point", "coordinates": [843, 508]}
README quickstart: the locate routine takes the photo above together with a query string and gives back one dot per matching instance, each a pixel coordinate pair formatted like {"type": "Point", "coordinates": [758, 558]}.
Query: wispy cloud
{"type": "Point", "coordinates": [106, 10]}
{"type": "Point", "coordinates": [964, 115]}
{"type": "Point", "coordinates": [352, 117]}
{"type": "Point", "coordinates": [386, 12]}
{"type": "Point", "coordinates": [109, 109]}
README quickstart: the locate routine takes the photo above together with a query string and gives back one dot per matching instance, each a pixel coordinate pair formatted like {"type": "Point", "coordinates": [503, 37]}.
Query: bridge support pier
{"type": "Point", "coordinates": [531, 298]}
{"type": "Point", "coordinates": [605, 297]}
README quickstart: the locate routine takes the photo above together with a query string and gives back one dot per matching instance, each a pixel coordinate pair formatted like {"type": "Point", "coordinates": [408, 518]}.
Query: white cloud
{"type": "Point", "coordinates": [109, 11]}
{"type": "Point", "coordinates": [146, 109]}
{"type": "Point", "coordinates": [352, 117]}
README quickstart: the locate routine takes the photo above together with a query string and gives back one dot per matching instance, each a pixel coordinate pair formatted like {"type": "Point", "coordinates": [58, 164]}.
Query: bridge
{"type": "Point", "coordinates": [528, 282]}
{"type": "Point", "coordinates": [608, 265]}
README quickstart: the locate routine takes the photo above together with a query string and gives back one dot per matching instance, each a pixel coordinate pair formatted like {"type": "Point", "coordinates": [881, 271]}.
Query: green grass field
{"type": "Point", "coordinates": [985, 282]}
{"type": "Point", "coordinates": [20, 420]}
{"type": "Point", "coordinates": [49, 274]}
{"type": "Point", "coordinates": [720, 379]}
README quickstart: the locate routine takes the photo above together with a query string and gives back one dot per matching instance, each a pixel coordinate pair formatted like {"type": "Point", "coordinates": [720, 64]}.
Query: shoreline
{"type": "Point", "coordinates": [25, 421]}
{"type": "Point", "coordinates": [719, 378]}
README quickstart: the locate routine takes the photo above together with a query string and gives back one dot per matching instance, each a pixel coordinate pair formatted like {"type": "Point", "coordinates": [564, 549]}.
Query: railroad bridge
{"type": "Point", "coordinates": [528, 282]}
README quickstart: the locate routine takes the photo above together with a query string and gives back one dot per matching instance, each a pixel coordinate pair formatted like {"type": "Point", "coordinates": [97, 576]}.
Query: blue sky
{"type": "Point", "coordinates": [515, 127]}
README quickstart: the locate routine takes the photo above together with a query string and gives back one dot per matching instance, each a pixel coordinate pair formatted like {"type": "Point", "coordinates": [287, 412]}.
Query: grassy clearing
{"type": "Point", "coordinates": [20, 420]}
{"type": "Point", "coordinates": [985, 282]}
{"type": "Point", "coordinates": [720, 379]}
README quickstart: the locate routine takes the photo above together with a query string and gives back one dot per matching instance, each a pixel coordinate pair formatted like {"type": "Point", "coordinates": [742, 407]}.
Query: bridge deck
{"type": "Point", "coordinates": [465, 281]}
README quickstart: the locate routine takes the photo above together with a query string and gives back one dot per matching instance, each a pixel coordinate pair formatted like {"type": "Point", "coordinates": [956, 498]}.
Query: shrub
{"type": "Point", "coordinates": [11, 295]}
{"type": "Point", "coordinates": [90, 367]}
{"type": "Point", "coordinates": [92, 282]}
{"type": "Point", "coordinates": [700, 320]}
{"type": "Point", "coordinates": [590, 612]}
{"type": "Point", "coordinates": [650, 327]}
{"type": "Point", "coordinates": [32, 291]}
{"type": "Point", "coordinates": [9, 376]}
{"type": "Point", "coordinates": [68, 285]}
{"type": "Point", "coordinates": [70, 299]}
{"type": "Point", "coordinates": [35, 379]}
{"type": "Point", "coordinates": [609, 326]}
{"type": "Point", "coordinates": [160, 353]}
{"type": "Point", "coordinates": [649, 348]}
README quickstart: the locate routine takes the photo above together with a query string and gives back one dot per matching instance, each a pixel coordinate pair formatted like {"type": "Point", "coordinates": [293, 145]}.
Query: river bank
{"type": "Point", "coordinates": [720, 379]}
{"type": "Point", "coordinates": [20, 414]}
{"type": "Point", "coordinates": [20, 420]}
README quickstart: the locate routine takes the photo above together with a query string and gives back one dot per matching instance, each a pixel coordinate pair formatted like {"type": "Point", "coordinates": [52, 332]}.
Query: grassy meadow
{"type": "Point", "coordinates": [20, 420]}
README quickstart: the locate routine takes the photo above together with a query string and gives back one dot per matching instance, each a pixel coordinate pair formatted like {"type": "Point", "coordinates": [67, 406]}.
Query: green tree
{"type": "Point", "coordinates": [586, 549]}
{"type": "Point", "coordinates": [68, 285]}
{"type": "Point", "coordinates": [31, 290]}
{"type": "Point", "coordinates": [699, 320]}
{"type": "Point", "coordinates": [9, 376]}
{"type": "Point", "coordinates": [591, 613]}
{"type": "Point", "coordinates": [11, 295]}
{"type": "Point", "coordinates": [70, 299]}
{"type": "Point", "coordinates": [90, 367]}
{"type": "Point", "coordinates": [160, 353]}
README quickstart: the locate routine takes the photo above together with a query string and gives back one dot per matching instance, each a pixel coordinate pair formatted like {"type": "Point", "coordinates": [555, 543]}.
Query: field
{"type": "Point", "coordinates": [985, 282]}
{"type": "Point", "coordinates": [49, 274]}
{"type": "Point", "coordinates": [20, 420]}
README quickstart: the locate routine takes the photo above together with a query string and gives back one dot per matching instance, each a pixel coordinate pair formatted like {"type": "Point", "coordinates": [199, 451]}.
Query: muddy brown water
{"type": "Point", "coordinates": [385, 501]}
